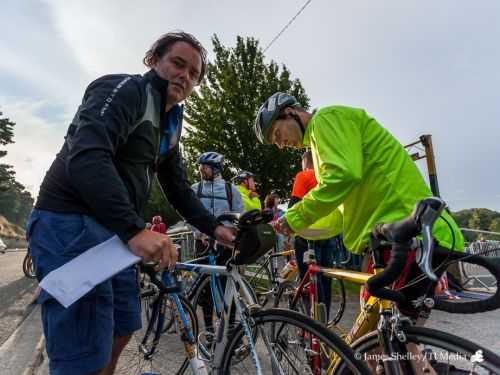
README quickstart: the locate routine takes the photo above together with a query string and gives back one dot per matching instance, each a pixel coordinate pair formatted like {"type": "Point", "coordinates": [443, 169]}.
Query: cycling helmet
{"type": "Point", "coordinates": [268, 113]}
{"type": "Point", "coordinates": [214, 159]}
{"type": "Point", "coordinates": [242, 176]}
{"type": "Point", "coordinates": [157, 219]}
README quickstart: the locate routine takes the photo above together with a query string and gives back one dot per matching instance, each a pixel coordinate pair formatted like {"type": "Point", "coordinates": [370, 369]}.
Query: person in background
{"type": "Point", "coordinates": [218, 196]}
{"type": "Point", "coordinates": [271, 202]}
{"type": "Point", "coordinates": [245, 182]}
{"type": "Point", "coordinates": [158, 225]}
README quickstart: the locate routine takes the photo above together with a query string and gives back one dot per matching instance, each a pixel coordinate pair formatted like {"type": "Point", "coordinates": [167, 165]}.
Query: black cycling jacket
{"type": "Point", "coordinates": [111, 153]}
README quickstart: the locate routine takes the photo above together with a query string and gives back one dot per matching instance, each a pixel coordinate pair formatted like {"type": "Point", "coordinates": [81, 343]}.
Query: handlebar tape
{"type": "Point", "coordinates": [400, 233]}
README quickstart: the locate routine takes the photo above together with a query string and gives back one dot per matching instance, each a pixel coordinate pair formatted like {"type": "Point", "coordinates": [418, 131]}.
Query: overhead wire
{"type": "Point", "coordinates": [287, 25]}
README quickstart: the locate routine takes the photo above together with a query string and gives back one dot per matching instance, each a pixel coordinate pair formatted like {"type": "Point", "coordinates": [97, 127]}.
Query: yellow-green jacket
{"type": "Point", "coordinates": [362, 169]}
{"type": "Point", "coordinates": [248, 202]}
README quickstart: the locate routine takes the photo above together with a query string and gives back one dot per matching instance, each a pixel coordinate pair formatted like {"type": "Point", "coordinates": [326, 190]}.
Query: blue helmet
{"type": "Point", "coordinates": [214, 159]}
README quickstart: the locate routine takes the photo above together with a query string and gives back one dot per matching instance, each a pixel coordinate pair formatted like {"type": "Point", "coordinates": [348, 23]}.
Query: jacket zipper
{"type": "Point", "coordinates": [148, 182]}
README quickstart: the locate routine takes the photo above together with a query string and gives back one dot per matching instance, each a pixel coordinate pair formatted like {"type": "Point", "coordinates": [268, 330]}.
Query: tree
{"type": "Point", "coordinates": [158, 204]}
{"type": "Point", "coordinates": [15, 202]}
{"type": "Point", "coordinates": [475, 220]}
{"type": "Point", "coordinates": [222, 113]}
{"type": "Point", "coordinates": [494, 227]}
{"type": "Point", "coordinates": [6, 137]}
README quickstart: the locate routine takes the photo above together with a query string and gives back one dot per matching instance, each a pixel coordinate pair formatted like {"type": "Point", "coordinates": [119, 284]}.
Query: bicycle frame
{"type": "Point", "coordinates": [309, 285]}
{"type": "Point", "coordinates": [366, 321]}
{"type": "Point", "coordinates": [234, 285]}
{"type": "Point", "coordinates": [158, 319]}
{"type": "Point", "coordinates": [273, 269]}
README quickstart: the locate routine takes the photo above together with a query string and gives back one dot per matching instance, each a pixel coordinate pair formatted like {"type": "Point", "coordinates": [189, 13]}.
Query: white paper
{"type": "Point", "coordinates": [73, 280]}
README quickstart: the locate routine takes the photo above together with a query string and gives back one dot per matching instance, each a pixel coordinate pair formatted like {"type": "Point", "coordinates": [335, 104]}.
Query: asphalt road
{"type": "Point", "coordinates": [16, 292]}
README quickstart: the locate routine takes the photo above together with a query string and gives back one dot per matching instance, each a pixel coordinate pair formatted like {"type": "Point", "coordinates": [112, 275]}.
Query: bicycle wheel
{"type": "Point", "coordinates": [169, 355]}
{"type": "Point", "coordinates": [28, 267]}
{"type": "Point", "coordinates": [287, 290]}
{"type": "Point", "coordinates": [289, 343]}
{"type": "Point", "coordinates": [260, 279]}
{"type": "Point", "coordinates": [429, 351]}
{"type": "Point", "coordinates": [337, 304]}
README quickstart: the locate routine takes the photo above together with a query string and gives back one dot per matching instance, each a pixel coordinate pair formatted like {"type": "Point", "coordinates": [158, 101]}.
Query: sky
{"type": "Point", "coordinates": [418, 67]}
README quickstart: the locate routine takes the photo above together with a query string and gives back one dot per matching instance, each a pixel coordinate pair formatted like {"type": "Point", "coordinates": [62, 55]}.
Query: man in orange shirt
{"type": "Point", "coordinates": [326, 251]}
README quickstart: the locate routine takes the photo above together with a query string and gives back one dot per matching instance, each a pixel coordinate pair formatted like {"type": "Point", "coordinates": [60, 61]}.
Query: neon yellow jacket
{"type": "Point", "coordinates": [249, 203]}
{"type": "Point", "coordinates": [362, 169]}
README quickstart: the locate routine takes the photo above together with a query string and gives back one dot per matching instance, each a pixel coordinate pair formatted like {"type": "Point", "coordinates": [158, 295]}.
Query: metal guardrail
{"type": "Point", "coordinates": [183, 236]}
{"type": "Point", "coordinates": [473, 275]}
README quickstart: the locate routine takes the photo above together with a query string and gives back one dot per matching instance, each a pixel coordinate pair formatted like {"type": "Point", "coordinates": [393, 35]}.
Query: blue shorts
{"type": "Point", "coordinates": [79, 338]}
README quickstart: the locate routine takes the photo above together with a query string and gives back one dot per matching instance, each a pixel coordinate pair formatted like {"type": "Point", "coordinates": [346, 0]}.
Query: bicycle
{"type": "Point", "coordinates": [389, 342]}
{"type": "Point", "coordinates": [28, 266]}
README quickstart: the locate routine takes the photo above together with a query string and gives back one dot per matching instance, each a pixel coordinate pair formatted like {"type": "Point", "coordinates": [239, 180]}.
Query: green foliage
{"type": "Point", "coordinates": [157, 204]}
{"type": "Point", "coordinates": [478, 218]}
{"type": "Point", "coordinates": [6, 131]}
{"type": "Point", "coordinates": [15, 202]}
{"type": "Point", "coordinates": [222, 113]}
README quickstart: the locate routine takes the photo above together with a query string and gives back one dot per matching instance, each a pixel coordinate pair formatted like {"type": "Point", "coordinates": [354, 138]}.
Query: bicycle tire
{"type": "Point", "coordinates": [28, 267]}
{"type": "Point", "coordinates": [302, 325]}
{"type": "Point", "coordinates": [166, 359]}
{"type": "Point", "coordinates": [337, 303]}
{"type": "Point", "coordinates": [429, 341]}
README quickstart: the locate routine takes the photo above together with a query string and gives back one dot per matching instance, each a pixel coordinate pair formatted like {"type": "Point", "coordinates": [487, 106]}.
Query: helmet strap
{"type": "Point", "coordinates": [299, 121]}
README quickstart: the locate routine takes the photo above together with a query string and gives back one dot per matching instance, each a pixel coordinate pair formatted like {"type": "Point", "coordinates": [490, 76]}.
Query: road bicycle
{"type": "Point", "coordinates": [388, 341]}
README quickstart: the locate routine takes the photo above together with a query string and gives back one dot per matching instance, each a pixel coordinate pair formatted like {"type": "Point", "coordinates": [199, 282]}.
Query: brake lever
{"type": "Point", "coordinates": [434, 208]}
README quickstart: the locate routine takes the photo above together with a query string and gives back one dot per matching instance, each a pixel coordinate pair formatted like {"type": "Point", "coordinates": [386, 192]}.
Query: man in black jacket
{"type": "Point", "coordinates": [125, 131]}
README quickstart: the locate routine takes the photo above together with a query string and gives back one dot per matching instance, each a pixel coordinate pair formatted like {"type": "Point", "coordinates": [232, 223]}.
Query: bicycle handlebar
{"type": "Point", "coordinates": [401, 234]}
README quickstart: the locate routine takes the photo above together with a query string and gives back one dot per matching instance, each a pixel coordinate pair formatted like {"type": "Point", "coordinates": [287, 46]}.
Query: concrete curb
{"type": "Point", "coordinates": [38, 358]}
{"type": "Point", "coordinates": [24, 346]}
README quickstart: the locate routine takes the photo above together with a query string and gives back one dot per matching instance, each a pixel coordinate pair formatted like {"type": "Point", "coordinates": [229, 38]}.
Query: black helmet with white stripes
{"type": "Point", "coordinates": [269, 112]}
{"type": "Point", "coordinates": [242, 176]}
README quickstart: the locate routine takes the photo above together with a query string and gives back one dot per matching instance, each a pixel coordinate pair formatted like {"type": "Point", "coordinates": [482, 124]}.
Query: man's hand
{"type": "Point", "coordinates": [204, 240]}
{"type": "Point", "coordinates": [281, 226]}
{"type": "Point", "coordinates": [225, 235]}
{"type": "Point", "coordinates": [154, 247]}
